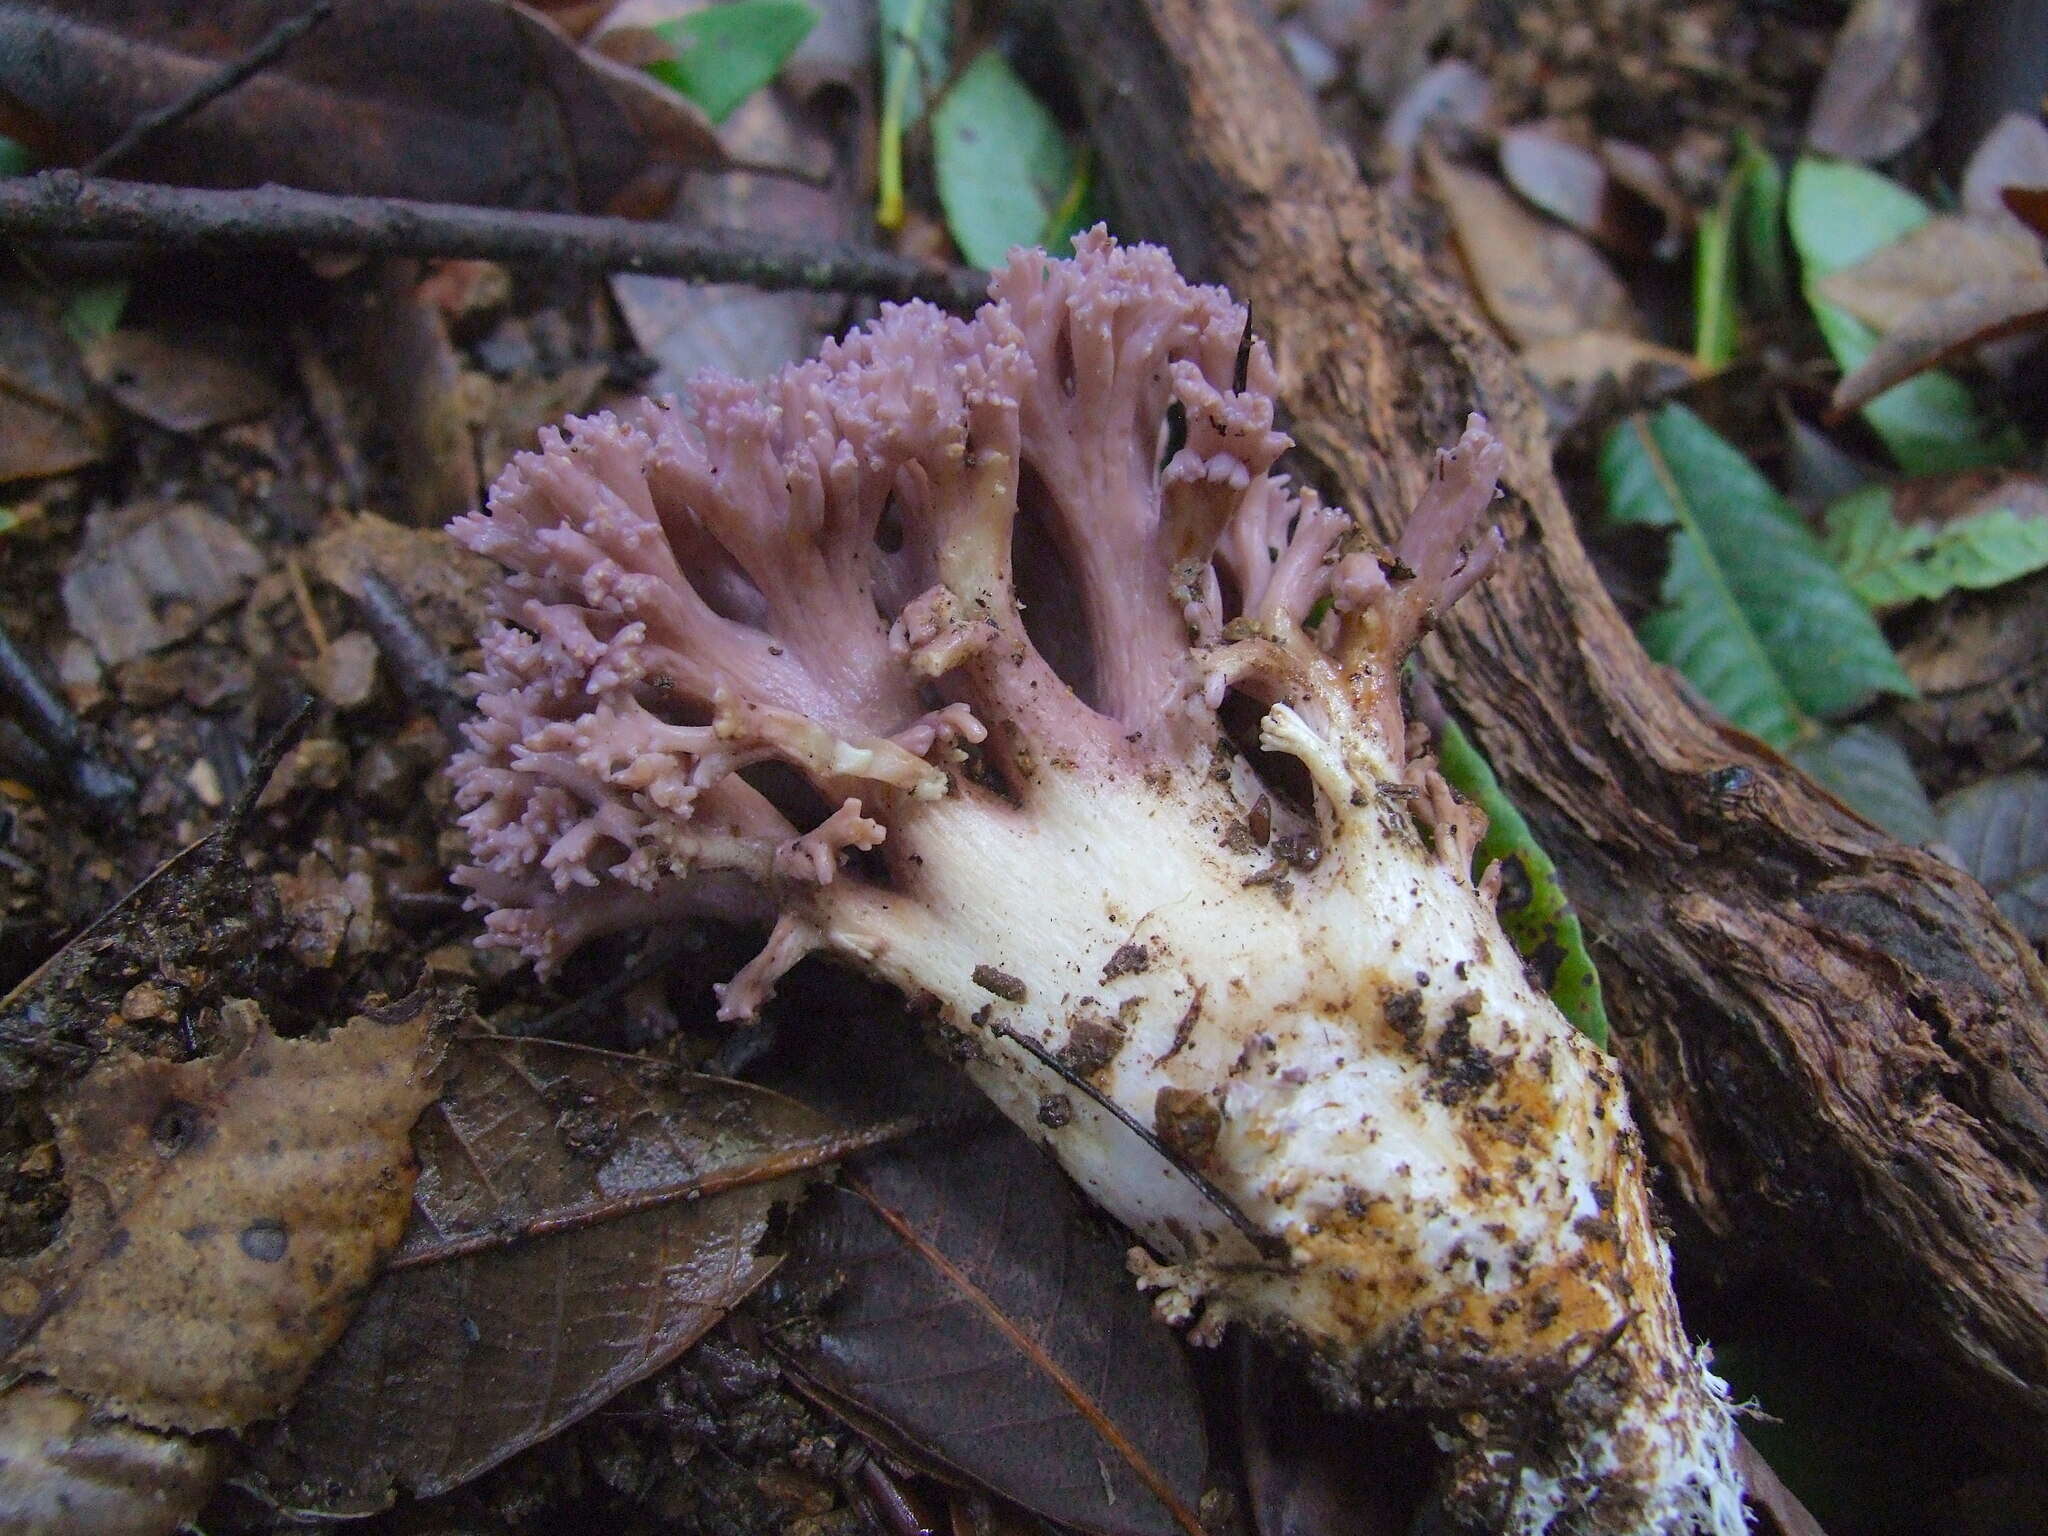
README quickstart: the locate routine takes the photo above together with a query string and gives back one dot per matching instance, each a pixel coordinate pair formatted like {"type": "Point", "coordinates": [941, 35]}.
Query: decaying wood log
{"type": "Point", "coordinates": [1838, 1048]}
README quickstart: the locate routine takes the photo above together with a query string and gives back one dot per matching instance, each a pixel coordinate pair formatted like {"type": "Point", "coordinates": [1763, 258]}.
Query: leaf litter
{"type": "Point", "coordinates": [460, 101]}
{"type": "Point", "coordinates": [1999, 830]}
{"type": "Point", "coordinates": [580, 1220]}
{"type": "Point", "coordinates": [224, 1215]}
{"type": "Point", "coordinates": [975, 1313]}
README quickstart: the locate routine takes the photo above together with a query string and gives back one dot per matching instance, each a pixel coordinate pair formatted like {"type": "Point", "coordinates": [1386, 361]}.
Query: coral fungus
{"type": "Point", "coordinates": [993, 657]}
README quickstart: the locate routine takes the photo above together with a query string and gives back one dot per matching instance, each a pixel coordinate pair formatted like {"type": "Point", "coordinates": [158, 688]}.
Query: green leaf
{"type": "Point", "coordinates": [1839, 214]}
{"type": "Point", "coordinates": [917, 42]}
{"type": "Point", "coordinates": [94, 309]}
{"type": "Point", "coordinates": [1870, 773]}
{"type": "Point", "coordinates": [1744, 230]}
{"type": "Point", "coordinates": [1544, 927]}
{"type": "Point", "coordinates": [1888, 564]}
{"type": "Point", "coordinates": [1079, 208]}
{"type": "Point", "coordinates": [1754, 613]}
{"type": "Point", "coordinates": [15, 160]}
{"type": "Point", "coordinates": [1005, 169]}
{"type": "Point", "coordinates": [1760, 227]}
{"type": "Point", "coordinates": [725, 53]}
{"type": "Point", "coordinates": [1713, 285]}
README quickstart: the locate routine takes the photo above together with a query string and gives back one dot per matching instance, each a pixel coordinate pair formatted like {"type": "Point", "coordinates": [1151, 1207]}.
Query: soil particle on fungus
{"type": "Point", "coordinates": [1001, 983]}
{"type": "Point", "coordinates": [1187, 1124]}
{"type": "Point", "coordinates": [1129, 960]}
{"type": "Point", "coordinates": [1093, 1039]}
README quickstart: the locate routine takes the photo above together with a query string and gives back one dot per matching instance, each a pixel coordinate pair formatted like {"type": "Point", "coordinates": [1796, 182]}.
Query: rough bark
{"type": "Point", "coordinates": [1838, 1048]}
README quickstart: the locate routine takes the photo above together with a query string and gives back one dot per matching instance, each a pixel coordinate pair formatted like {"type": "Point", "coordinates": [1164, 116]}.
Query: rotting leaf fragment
{"type": "Point", "coordinates": [580, 1220]}
{"type": "Point", "coordinates": [225, 1214]}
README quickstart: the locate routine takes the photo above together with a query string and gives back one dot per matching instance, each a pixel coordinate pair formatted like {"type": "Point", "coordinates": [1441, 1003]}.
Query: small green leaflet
{"type": "Point", "coordinates": [725, 53]}
{"type": "Point", "coordinates": [1755, 615]}
{"type": "Point", "coordinates": [94, 308]}
{"type": "Point", "coordinates": [1741, 251]}
{"type": "Point", "coordinates": [1544, 927]}
{"type": "Point", "coordinates": [916, 42]}
{"type": "Point", "coordinates": [1839, 214]}
{"type": "Point", "coordinates": [1889, 565]}
{"type": "Point", "coordinates": [1007, 175]}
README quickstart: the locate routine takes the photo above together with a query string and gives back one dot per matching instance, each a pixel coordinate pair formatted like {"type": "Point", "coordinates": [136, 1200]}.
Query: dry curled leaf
{"type": "Point", "coordinates": [2014, 154]}
{"type": "Point", "coordinates": [1938, 331]}
{"type": "Point", "coordinates": [1617, 194]}
{"type": "Point", "coordinates": [1539, 280]}
{"type": "Point", "coordinates": [49, 421]}
{"type": "Point", "coordinates": [224, 1215]}
{"type": "Point", "coordinates": [564, 1243]}
{"type": "Point", "coordinates": [1945, 255]}
{"type": "Point", "coordinates": [185, 378]}
{"type": "Point", "coordinates": [1783, 1514]}
{"type": "Point", "coordinates": [1882, 84]}
{"type": "Point", "coordinates": [466, 101]}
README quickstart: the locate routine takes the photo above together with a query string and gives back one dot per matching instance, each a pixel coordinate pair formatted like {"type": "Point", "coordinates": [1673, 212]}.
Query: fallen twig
{"type": "Point", "coordinates": [213, 87]}
{"type": "Point", "coordinates": [64, 205]}
{"type": "Point", "coordinates": [51, 725]}
{"type": "Point", "coordinates": [421, 669]}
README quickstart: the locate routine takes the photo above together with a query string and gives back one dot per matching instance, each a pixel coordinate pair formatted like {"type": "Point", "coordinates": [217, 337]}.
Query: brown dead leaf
{"type": "Point", "coordinates": [225, 1215]}
{"type": "Point", "coordinates": [1559, 175]}
{"type": "Point", "coordinates": [977, 1319]}
{"type": "Point", "coordinates": [1882, 84]}
{"type": "Point", "coordinates": [1645, 176]}
{"type": "Point", "coordinates": [443, 586]}
{"type": "Point", "coordinates": [1937, 331]}
{"type": "Point", "coordinates": [1539, 280]}
{"type": "Point", "coordinates": [49, 422]}
{"type": "Point", "coordinates": [580, 1220]}
{"type": "Point", "coordinates": [2013, 154]}
{"type": "Point", "coordinates": [65, 1469]}
{"type": "Point", "coordinates": [1941, 257]}
{"type": "Point", "coordinates": [416, 378]}
{"type": "Point", "coordinates": [1581, 361]}
{"type": "Point", "coordinates": [1617, 194]}
{"type": "Point", "coordinates": [145, 576]}
{"type": "Point", "coordinates": [687, 327]}
{"type": "Point", "coordinates": [1452, 101]}
{"type": "Point", "coordinates": [466, 101]}
{"type": "Point", "coordinates": [185, 378]}
{"type": "Point", "coordinates": [2030, 206]}
{"type": "Point", "coordinates": [1598, 375]}
{"type": "Point", "coordinates": [511, 410]}
{"type": "Point", "coordinates": [1783, 1514]}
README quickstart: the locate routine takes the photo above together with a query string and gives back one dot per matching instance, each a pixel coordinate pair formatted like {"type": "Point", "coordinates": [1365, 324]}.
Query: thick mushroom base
{"type": "Point", "coordinates": [1317, 1081]}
